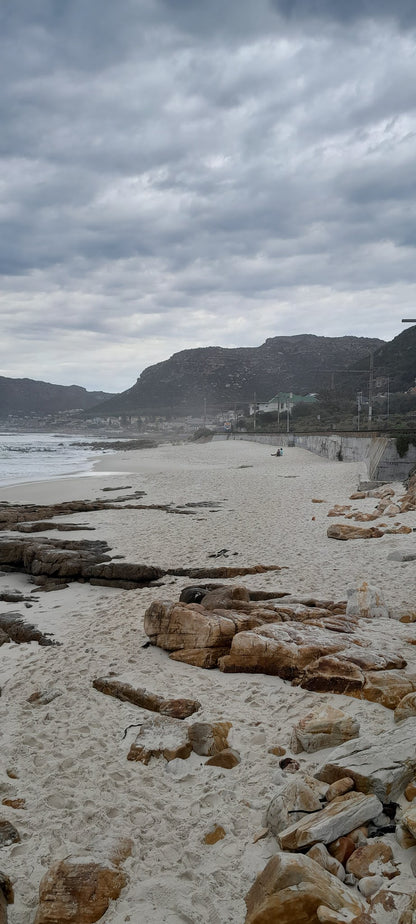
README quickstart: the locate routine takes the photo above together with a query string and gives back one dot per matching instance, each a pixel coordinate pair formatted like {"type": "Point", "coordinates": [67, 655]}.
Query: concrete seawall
{"type": "Point", "coordinates": [378, 455]}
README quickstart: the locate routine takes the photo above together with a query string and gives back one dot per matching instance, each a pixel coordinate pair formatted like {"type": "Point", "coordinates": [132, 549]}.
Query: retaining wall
{"type": "Point", "coordinates": [379, 456]}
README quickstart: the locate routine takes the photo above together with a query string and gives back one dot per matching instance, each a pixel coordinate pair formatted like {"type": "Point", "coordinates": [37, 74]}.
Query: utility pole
{"type": "Point", "coordinates": [205, 412]}
{"type": "Point", "coordinates": [370, 390]}
{"type": "Point", "coordinates": [254, 411]}
{"type": "Point", "coordinates": [359, 399]}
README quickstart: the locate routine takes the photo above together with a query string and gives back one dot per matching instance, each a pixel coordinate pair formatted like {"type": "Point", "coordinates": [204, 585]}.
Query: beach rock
{"type": "Point", "coordinates": [373, 859]}
{"type": "Point", "coordinates": [17, 630]}
{"type": "Point", "coordinates": [43, 697]}
{"type": "Point", "coordinates": [283, 649]}
{"type": "Point", "coordinates": [366, 601]}
{"type": "Point", "coordinates": [177, 626]}
{"type": "Point", "coordinates": [390, 907]}
{"type": "Point", "coordinates": [78, 890]}
{"type": "Point", "coordinates": [383, 764]}
{"type": "Point", "coordinates": [335, 820]}
{"type": "Point", "coordinates": [410, 791]}
{"type": "Point", "coordinates": [342, 848]}
{"type": "Point", "coordinates": [227, 759]}
{"type": "Point", "coordinates": [8, 833]}
{"type": "Point", "coordinates": [403, 837]}
{"type": "Point", "coordinates": [369, 885]}
{"type": "Point", "coordinates": [114, 572]}
{"type": "Point", "coordinates": [331, 674]}
{"type": "Point", "coordinates": [290, 805]}
{"type": "Point", "coordinates": [321, 855]}
{"type": "Point", "coordinates": [176, 708]}
{"type": "Point", "coordinates": [345, 532]}
{"type": "Point", "coordinates": [214, 836]}
{"type": "Point", "coordinates": [6, 896]}
{"type": "Point", "coordinates": [322, 728]}
{"type": "Point", "coordinates": [225, 597]}
{"type": "Point", "coordinates": [339, 788]}
{"type": "Point", "coordinates": [221, 572]}
{"type": "Point", "coordinates": [208, 739]}
{"type": "Point", "coordinates": [291, 888]}
{"type": "Point", "coordinates": [406, 707]}
{"type": "Point", "coordinates": [338, 510]}
{"type": "Point", "coordinates": [409, 819]}
{"type": "Point", "coordinates": [160, 737]}
{"type": "Point", "coordinates": [386, 687]}
{"type": "Point", "coordinates": [199, 657]}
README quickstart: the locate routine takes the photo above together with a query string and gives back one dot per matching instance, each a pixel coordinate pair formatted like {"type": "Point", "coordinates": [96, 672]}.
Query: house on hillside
{"type": "Point", "coordinates": [282, 402]}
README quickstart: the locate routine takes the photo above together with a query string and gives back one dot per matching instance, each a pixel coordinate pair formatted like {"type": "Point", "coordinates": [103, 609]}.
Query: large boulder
{"type": "Point", "coordinates": [292, 887]}
{"type": "Point", "coordinates": [161, 736]}
{"type": "Point", "coordinates": [290, 805]}
{"type": "Point", "coordinates": [78, 890]}
{"type": "Point", "coordinates": [366, 601]}
{"type": "Point", "coordinates": [283, 649]}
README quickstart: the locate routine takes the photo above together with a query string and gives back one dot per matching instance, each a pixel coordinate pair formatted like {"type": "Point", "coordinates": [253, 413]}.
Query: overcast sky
{"type": "Point", "coordinates": [183, 173]}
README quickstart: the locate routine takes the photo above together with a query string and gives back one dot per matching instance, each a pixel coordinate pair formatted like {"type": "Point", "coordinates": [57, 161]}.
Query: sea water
{"type": "Point", "coordinates": [41, 456]}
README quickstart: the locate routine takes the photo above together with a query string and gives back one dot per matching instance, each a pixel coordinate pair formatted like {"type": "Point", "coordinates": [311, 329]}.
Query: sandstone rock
{"type": "Point", "coordinates": [344, 532]}
{"type": "Point", "coordinates": [322, 728]}
{"type": "Point", "coordinates": [366, 601]}
{"type": "Point", "coordinates": [161, 737]}
{"type": "Point", "coordinates": [337, 819]}
{"type": "Point", "coordinates": [208, 739]}
{"type": "Point", "coordinates": [403, 837]}
{"type": "Point", "coordinates": [78, 890]}
{"type": "Point", "coordinates": [292, 887]}
{"type": "Point", "coordinates": [342, 848]}
{"type": "Point", "coordinates": [80, 893]}
{"type": "Point", "coordinates": [374, 859]}
{"type": "Point", "coordinates": [338, 510]}
{"type": "Point", "coordinates": [19, 631]}
{"type": "Point", "coordinates": [333, 675]}
{"type": "Point", "coordinates": [409, 819]}
{"type": "Point", "coordinates": [8, 833]}
{"type": "Point", "coordinates": [6, 896]}
{"type": "Point", "coordinates": [214, 836]}
{"type": "Point", "coordinates": [180, 626]}
{"type": "Point", "coordinates": [227, 759]}
{"type": "Point", "coordinates": [176, 708]}
{"type": "Point", "coordinates": [321, 855]}
{"type": "Point", "coordinates": [382, 765]}
{"type": "Point", "coordinates": [14, 803]}
{"type": "Point", "coordinates": [339, 788]}
{"type": "Point", "coordinates": [290, 805]}
{"type": "Point", "coordinates": [390, 907]}
{"type": "Point", "coordinates": [225, 597]}
{"type": "Point", "coordinates": [280, 649]}
{"type": "Point", "coordinates": [406, 707]}
{"type": "Point", "coordinates": [369, 885]}
{"type": "Point", "coordinates": [277, 750]}
{"type": "Point", "coordinates": [200, 657]}
{"type": "Point", "coordinates": [387, 688]}
{"type": "Point", "coordinates": [410, 791]}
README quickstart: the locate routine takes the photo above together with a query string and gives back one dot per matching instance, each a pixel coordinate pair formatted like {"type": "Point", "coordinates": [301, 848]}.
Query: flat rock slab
{"type": "Point", "coordinates": [322, 728]}
{"type": "Point", "coordinates": [342, 815]}
{"type": "Point", "coordinates": [383, 764]}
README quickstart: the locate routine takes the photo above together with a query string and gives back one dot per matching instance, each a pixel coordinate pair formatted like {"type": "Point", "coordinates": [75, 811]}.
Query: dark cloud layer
{"type": "Point", "coordinates": [189, 173]}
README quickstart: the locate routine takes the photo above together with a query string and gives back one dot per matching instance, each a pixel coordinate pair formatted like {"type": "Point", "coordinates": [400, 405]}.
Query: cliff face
{"type": "Point", "coordinates": [27, 396]}
{"type": "Point", "coordinates": [224, 377]}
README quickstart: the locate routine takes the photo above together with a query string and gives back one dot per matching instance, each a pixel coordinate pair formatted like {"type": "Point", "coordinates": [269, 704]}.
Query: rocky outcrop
{"type": "Point", "coordinates": [176, 708]}
{"type": "Point", "coordinates": [78, 890]}
{"type": "Point", "coordinates": [383, 764]}
{"type": "Point", "coordinates": [8, 833]}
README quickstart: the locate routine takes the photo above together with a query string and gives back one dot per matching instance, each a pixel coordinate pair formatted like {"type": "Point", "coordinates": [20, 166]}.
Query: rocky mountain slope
{"type": "Point", "coordinates": [396, 359]}
{"type": "Point", "coordinates": [23, 397]}
{"type": "Point", "coordinates": [221, 378]}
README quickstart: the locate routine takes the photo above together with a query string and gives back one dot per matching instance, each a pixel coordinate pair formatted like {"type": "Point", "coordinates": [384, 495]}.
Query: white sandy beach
{"type": "Point", "coordinates": [68, 758]}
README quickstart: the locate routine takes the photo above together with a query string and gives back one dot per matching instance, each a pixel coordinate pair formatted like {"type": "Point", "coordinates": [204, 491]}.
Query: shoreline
{"type": "Point", "coordinates": [68, 758]}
